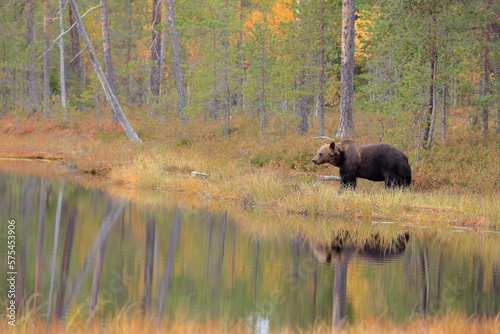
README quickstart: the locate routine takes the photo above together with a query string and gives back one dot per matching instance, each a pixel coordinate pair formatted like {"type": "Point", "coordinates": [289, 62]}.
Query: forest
{"type": "Point", "coordinates": [417, 61]}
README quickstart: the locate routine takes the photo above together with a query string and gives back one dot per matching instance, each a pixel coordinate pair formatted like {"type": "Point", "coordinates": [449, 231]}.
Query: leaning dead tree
{"type": "Point", "coordinates": [110, 95]}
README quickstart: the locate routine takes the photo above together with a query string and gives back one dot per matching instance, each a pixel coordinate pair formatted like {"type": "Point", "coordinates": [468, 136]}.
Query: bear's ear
{"type": "Point", "coordinates": [332, 145]}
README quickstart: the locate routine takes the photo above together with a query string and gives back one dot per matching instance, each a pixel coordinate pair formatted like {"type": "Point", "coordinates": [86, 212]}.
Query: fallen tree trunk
{"type": "Point", "coordinates": [329, 178]}
{"type": "Point", "coordinates": [110, 95]}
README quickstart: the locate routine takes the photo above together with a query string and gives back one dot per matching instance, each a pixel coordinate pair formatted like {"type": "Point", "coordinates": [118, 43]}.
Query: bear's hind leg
{"type": "Point", "coordinates": [393, 181]}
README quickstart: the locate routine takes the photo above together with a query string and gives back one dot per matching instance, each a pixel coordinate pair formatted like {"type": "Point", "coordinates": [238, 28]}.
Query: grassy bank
{"type": "Point", "coordinates": [458, 183]}
{"type": "Point", "coordinates": [453, 323]}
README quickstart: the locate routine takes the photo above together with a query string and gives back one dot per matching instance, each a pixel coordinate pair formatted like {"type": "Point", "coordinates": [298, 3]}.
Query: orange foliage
{"type": "Point", "coordinates": [363, 25]}
{"type": "Point", "coordinates": [281, 12]}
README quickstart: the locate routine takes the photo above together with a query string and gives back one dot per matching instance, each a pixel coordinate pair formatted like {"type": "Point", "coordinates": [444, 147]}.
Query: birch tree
{"type": "Point", "coordinates": [62, 74]}
{"type": "Point", "coordinates": [115, 105]}
{"type": "Point", "coordinates": [46, 58]}
{"type": "Point", "coordinates": [156, 56]}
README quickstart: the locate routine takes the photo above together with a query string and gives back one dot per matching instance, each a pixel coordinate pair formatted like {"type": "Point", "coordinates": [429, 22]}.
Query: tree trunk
{"type": "Point", "coordinates": [76, 64]}
{"type": "Point", "coordinates": [31, 72]}
{"type": "Point", "coordinates": [102, 78]}
{"type": "Point", "coordinates": [108, 59]}
{"type": "Point", "coordinates": [430, 115]}
{"type": "Point", "coordinates": [485, 89]}
{"type": "Point", "coordinates": [346, 123]}
{"type": "Point", "coordinates": [321, 77]}
{"type": "Point", "coordinates": [62, 73]}
{"type": "Point", "coordinates": [46, 59]}
{"type": "Point", "coordinates": [156, 56]}
{"type": "Point", "coordinates": [301, 109]}
{"type": "Point", "coordinates": [176, 54]}
{"type": "Point", "coordinates": [446, 111]}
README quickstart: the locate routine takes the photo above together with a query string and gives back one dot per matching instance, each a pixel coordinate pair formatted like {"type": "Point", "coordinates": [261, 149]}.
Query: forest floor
{"type": "Point", "coordinates": [458, 183]}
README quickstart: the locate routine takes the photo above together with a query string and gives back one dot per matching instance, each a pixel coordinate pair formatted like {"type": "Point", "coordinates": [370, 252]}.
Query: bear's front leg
{"type": "Point", "coordinates": [347, 181]}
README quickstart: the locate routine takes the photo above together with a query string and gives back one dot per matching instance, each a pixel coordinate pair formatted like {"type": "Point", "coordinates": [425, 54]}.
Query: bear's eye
{"type": "Point", "coordinates": [321, 154]}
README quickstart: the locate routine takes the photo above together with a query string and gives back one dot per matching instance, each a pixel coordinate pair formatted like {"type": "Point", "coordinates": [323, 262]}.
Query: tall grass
{"type": "Point", "coordinates": [136, 323]}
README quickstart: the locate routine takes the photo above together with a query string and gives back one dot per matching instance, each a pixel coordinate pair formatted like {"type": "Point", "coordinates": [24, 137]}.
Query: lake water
{"type": "Point", "coordinates": [96, 252]}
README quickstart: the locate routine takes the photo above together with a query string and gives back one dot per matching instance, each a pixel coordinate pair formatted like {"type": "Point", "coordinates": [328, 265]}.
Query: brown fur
{"type": "Point", "coordinates": [375, 162]}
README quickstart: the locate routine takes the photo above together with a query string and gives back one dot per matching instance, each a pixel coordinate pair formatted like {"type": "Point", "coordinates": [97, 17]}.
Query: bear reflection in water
{"type": "Point", "coordinates": [374, 249]}
{"type": "Point", "coordinates": [342, 249]}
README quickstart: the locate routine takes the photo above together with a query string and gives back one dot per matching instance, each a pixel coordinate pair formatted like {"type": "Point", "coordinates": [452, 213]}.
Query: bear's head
{"type": "Point", "coordinates": [328, 153]}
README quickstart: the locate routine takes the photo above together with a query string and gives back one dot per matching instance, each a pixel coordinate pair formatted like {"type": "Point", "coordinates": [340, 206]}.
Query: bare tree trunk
{"type": "Point", "coordinates": [46, 59]}
{"type": "Point", "coordinates": [446, 111]}
{"type": "Point", "coordinates": [156, 56]}
{"type": "Point", "coordinates": [214, 111]}
{"type": "Point", "coordinates": [346, 123]}
{"type": "Point", "coordinates": [76, 64]}
{"type": "Point", "coordinates": [108, 59]}
{"type": "Point", "coordinates": [31, 72]}
{"type": "Point", "coordinates": [102, 78]}
{"type": "Point", "coordinates": [62, 73]}
{"type": "Point", "coordinates": [430, 115]}
{"type": "Point", "coordinates": [485, 89]}
{"type": "Point", "coordinates": [321, 78]}
{"type": "Point", "coordinates": [301, 109]}
{"type": "Point", "coordinates": [176, 54]}
{"type": "Point", "coordinates": [262, 93]}
{"type": "Point", "coordinates": [241, 60]}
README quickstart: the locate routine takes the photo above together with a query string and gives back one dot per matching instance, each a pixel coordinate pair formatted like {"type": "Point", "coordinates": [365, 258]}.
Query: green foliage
{"type": "Point", "coordinates": [262, 159]}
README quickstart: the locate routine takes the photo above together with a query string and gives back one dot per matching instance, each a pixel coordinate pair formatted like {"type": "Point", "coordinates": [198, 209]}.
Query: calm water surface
{"type": "Point", "coordinates": [82, 250]}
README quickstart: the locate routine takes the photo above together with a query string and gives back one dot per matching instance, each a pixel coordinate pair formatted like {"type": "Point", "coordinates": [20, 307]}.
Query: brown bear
{"type": "Point", "coordinates": [375, 162]}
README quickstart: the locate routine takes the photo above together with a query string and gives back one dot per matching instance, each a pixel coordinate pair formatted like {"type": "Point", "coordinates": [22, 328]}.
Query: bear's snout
{"type": "Point", "coordinates": [314, 161]}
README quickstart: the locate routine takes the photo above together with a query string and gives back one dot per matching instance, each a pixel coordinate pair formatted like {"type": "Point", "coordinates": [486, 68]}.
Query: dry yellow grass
{"type": "Point", "coordinates": [123, 323]}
